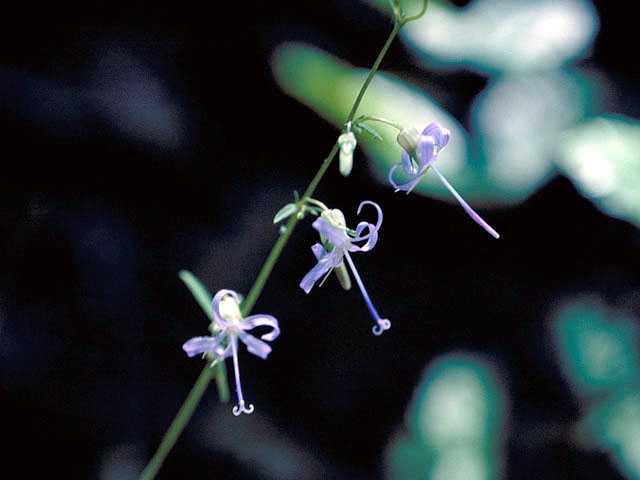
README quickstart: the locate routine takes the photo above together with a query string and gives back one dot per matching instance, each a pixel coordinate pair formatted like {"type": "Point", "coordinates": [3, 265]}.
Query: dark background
{"type": "Point", "coordinates": [99, 214]}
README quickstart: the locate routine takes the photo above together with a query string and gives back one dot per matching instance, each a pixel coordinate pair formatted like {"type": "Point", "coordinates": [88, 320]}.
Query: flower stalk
{"type": "Point", "coordinates": [195, 395]}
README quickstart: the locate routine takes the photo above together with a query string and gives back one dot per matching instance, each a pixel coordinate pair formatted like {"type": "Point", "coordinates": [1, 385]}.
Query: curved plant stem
{"type": "Point", "coordinates": [188, 407]}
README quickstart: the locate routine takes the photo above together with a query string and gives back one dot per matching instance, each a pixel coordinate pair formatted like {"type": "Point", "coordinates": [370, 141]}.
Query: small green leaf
{"type": "Point", "coordinates": [198, 290]}
{"type": "Point", "coordinates": [203, 297]}
{"type": "Point", "coordinates": [370, 131]}
{"type": "Point", "coordinates": [286, 211]}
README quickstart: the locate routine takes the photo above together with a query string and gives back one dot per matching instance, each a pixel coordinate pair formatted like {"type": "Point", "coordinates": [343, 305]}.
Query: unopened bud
{"type": "Point", "coordinates": [334, 218]}
{"type": "Point", "coordinates": [347, 143]}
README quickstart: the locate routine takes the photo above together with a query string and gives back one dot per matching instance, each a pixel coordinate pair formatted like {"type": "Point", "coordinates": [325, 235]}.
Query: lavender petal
{"type": "Point", "coordinates": [255, 346]}
{"type": "Point", "coordinates": [215, 306]}
{"type": "Point", "coordinates": [335, 236]}
{"type": "Point", "coordinates": [408, 165]}
{"type": "Point", "coordinates": [426, 152]}
{"type": "Point", "coordinates": [324, 264]}
{"type": "Point", "coordinates": [439, 133]}
{"type": "Point", "coordinates": [254, 321]}
{"type": "Point", "coordinates": [197, 345]}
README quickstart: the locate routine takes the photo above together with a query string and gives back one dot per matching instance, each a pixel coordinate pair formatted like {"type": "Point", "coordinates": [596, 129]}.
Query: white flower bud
{"type": "Point", "coordinates": [347, 143]}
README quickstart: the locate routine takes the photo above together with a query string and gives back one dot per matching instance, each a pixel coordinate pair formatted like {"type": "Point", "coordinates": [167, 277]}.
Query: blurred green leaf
{"type": "Point", "coordinates": [597, 347]}
{"type": "Point", "coordinates": [503, 35]}
{"type": "Point", "coordinates": [198, 290]}
{"type": "Point", "coordinates": [614, 425]}
{"type": "Point", "coordinates": [370, 131]}
{"type": "Point", "coordinates": [329, 86]}
{"type": "Point", "coordinates": [406, 459]}
{"type": "Point", "coordinates": [602, 157]}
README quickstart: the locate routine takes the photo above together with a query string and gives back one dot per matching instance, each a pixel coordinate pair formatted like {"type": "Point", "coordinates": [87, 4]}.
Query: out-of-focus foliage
{"type": "Point", "coordinates": [455, 424]}
{"type": "Point", "coordinates": [602, 157]}
{"type": "Point", "coordinates": [519, 120]}
{"type": "Point", "coordinates": [599, 353]}
{"type": "Point", "coordinates": [502, 35]}
{"type": "Point", "coordinates": [597, 348]}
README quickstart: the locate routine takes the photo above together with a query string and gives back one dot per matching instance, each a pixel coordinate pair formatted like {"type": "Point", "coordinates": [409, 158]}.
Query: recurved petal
{"type": "Point", "coordinates": [255, 346]}
{"type": "Point", "coordinates": [197, 345]}
{"type": "Point", "coordinates": [254, 321]}
{"type": "Point", "coordinates": [439, 133]}
{"type": "Point", "coordinates": [390, 177]}
{"type": "Point", "coordinates": [378, 211]}
{"type": "Point", "coordinates": [215, 307]}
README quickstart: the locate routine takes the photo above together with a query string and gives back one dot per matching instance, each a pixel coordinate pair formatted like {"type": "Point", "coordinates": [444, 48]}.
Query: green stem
{"type": "Point", "coordinates": [396, 28]}
{"type": "Point", "coordinates": [180, 421]}
{"type": "Point", "coordinates": [188, 407]}
{"type": "Point", "coordinates": [366, 118]}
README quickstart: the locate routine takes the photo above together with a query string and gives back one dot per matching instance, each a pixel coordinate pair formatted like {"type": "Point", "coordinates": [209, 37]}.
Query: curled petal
{"type": "Point", "coordinates": [336, 236]}
{"type": "Point", "coordinates": [198, 345]}
{"type": "Point", "coordinates": [405, 187]}
{"type": "Point", "coordinates": [390, 177]}
{"type": "Point", "coordinates": [262, 321]}
{"type": "Point", "coordinates": [371, 237]}
{"type": "Point", "coordinates": [439, 133]}
{"type": "Point", "coordinates": [378, 209]}
{"type": "Point", "coordinates": [255, 346]}
{"type": "Point", "coordinates": [215, 306]}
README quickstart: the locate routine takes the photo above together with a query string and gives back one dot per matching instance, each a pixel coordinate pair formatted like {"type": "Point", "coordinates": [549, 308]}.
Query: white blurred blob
{"type": "Point", "coordinates": [602, 157]}
{"type": "Point", "coordinates": [520, 120]}
{"type": "Point", "coordinates": [134, 100]}
{"type": "Point", "coordinates": [506, 35]}
{"type": "Point", "coordinates": [454, 407]}
{"type": "Point", "coordinates": [123, 462]}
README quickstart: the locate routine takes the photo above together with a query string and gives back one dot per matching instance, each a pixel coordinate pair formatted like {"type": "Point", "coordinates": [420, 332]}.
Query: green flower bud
{"type": "Point", "coordinates": [408, 139]}
{"type": "Point", "coordinates": [335, 218]}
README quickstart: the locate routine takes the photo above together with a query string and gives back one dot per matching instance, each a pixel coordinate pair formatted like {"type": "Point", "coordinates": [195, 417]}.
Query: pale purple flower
{"type": "Point", "coordinates": [228, 320]}
{"type": "Point", "coordinates": [429, 144]}
{"type": "Point", "coordinates": [337, 246]}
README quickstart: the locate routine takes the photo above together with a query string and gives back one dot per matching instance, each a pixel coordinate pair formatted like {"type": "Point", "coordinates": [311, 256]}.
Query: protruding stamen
{"type": "Point", "coordinates": [466, 207]}
{"type": "Point", "coordinates": [382, 323]}
{"type": "Point", "coordinates": [241, 408]}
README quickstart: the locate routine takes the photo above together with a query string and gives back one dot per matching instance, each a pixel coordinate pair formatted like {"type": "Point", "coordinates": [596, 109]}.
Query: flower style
{"type": "Point", "coordinates": [228, 320]}
{"type": "Point", "coordinates": [424, 150]}
{"type": "Point", "coordinates": [337, 242]}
